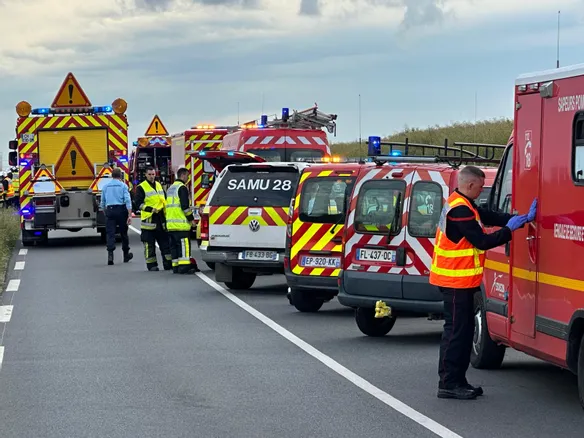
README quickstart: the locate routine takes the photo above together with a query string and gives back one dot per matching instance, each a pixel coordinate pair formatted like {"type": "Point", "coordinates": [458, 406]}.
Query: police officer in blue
{"type": "Point", "coordinates": [117, 206]}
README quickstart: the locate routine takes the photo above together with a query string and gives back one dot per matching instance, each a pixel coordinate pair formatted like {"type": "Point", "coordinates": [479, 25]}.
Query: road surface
{"type": "Point", "coordinates": [89, 350]}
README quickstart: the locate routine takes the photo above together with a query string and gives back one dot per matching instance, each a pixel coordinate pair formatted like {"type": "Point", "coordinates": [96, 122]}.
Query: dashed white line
{"type": "Point", "coordinates": [13, 285]}
{"type": "Point", "coordinates": [23, 251]}
{"type": "Point", "coordinates": [19, 266]}
{"type": "Point", "coordinates": [1, 356]}
{"type": "Point", "coordinates": [355, 379]}
{"type": "Point", "coordinates": [5, 313]}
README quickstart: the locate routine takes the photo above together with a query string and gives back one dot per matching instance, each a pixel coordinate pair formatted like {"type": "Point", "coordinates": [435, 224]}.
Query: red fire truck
{"type": "Point", "coordinates": [293, 137]}
{"type": "Point", "coordinates": [533, 298]}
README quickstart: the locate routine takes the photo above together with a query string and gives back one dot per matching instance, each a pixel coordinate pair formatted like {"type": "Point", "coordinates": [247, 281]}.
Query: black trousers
{"type": "Point", "coordinates": [116, 216]}
{"type": "Point", "coordinates": [457, 338]}
{"type": "Point", "coordinates": [150, 238]}
{"type": "Point", "coordinates": [180, 249]}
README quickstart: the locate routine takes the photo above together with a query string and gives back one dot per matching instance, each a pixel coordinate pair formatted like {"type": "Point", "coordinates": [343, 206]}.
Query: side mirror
{"type": "Point", "coordinates": [13, 145]}
{"type": "Point", "coordinates": [13, 158]}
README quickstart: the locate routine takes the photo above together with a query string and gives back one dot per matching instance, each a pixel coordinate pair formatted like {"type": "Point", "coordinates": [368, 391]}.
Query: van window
{"type": "Point", "coordinates": [578, 149]}
{"type": "Point", "coordinates": [246, 187]}
{"type": "Point", "coordinates": [283, 154]}
{"type": "Point", "coordinates": [504, 199]}
{"type": "Point", "coordinates": [376, 207]}
{"type": "Point", "coordinates": [323, 199]}
{"type": "Point", "coordinates": [484, 196]}
{"type": "Point", "coordinates": [425, 207]}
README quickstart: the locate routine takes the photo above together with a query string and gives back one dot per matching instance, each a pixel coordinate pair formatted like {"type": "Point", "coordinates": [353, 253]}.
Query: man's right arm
{"type": "Point", "coordinates": [139, 198]}
{"type": "Point", "coordinates": [462, 223]}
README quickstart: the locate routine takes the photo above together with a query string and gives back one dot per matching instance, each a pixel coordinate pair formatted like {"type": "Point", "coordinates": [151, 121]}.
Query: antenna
{"type": "Point", "coordinates": [558, 49]}
{"type": "Point", "coordinates": [475, 115]}
{"type": "Point", "coordinates": [359, 120]}
{"type": "Point", "coordinates": [238, 113]}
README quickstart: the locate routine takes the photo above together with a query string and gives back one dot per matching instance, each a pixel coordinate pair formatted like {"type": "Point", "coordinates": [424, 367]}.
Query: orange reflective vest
{"type": "Point", "coordinates": [10, 191]}
{"type": "Point", "coordinates": [456, 265]}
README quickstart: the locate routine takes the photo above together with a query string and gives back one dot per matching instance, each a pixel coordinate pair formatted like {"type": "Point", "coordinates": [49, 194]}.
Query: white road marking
{"type": "Point", "coordinates": [355, 379]}
{"type": "Point", "coordinates": [23, 251]}
{"type": "Point", "coordinates": [1, 356]}
{"type": "Point", "coordinates": [5, 313]}
{"type": "Point", "coordinates": [13, 285]}
{"type": "Point", "coordinates": [19, 266]}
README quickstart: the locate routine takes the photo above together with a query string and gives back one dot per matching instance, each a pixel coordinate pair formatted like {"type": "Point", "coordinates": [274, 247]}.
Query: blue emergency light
{"type": "Point", "coordinates": [39, 111]}
{"type": "Point", "coordinates": [102, 109]}
{"type": "Point", "coordinates": [285, 113]}
{"type": "Point", "coordinates": [231, 154]}
{"type": "Point", "coordinates": [202, 153]}
{"type": "Point", "coordinates": [374, 146]}
{"type": "Point", "coordinates": [263, 121]}
{"type": "Point", "coordinates": [135, 143]}
{"type": "Point", "coordinates": [396, 153]}
{"type": "Point", "coordinates": [123, 158]}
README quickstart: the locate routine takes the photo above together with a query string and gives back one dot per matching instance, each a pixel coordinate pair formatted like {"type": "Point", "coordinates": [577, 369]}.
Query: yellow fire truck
{"type": "Point", "coordinates": [65, 154]}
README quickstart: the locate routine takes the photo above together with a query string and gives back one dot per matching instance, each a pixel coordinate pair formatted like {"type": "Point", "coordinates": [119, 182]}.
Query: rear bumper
{"type": "Point", "coordinates": [231, 258]}
{"type": "Point", "coordinates": [312, 282]}
{"type": "Point", "coordinates": [400, 292]}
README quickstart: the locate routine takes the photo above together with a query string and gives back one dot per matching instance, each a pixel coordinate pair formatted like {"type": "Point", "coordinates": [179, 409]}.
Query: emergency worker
{"type": "Point", "coordinates": [115, 202]}
{"type": "Point", "coordinates": [179, 219]}
{"type": "Point", "coordinates": [9, 193]}
{"type": "Point", "coordinates": [151, 201]}
{"type": "Point", "coordinates": [457, 269]}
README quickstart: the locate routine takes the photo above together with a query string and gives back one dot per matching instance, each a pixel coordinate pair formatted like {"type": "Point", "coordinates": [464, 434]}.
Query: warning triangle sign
{"type": "Point", "coordinates": [73, 163]}
{"type": "Point", "coordinates": [70, 95]}
{"type": "Point", "coordinates": [102, 179]}
{"type": "Point", "coordinates": [156, 128]}
{"type": "Point", "coordinates": [44, 182]}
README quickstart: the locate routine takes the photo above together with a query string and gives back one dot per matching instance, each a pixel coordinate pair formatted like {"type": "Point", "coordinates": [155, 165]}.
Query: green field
{"type": "Point", "coordinates": [9, 234]}
{"type": "Point", "coordinates": [495, 131]}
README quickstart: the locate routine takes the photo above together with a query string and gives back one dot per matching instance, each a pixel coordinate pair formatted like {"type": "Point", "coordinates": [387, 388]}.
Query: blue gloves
{"type": "Point", "coordinates": [517, 221]}
{"type": "Point", "coordinates": [532, 211]}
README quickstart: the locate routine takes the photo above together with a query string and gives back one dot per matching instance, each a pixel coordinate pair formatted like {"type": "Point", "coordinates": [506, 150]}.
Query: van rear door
{"type": "Point", "coordinates": [249, 207]}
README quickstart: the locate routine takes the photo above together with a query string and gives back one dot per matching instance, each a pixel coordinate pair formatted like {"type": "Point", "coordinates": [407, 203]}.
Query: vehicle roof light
{"type": "Point", "coordinates": [374, 145]}
{"type": "Point", "coordinates": [39, 111]}
{"type": "Point", "coordinates": [103, 109]}
{"type": "Point", "coordinates": [119, 106]}
{"type": "Point", "coordinates": [23, 109]}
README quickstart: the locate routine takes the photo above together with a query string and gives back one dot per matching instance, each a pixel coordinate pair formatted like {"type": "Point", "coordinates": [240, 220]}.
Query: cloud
{"type": "Point", "coordinates": [309, 7]}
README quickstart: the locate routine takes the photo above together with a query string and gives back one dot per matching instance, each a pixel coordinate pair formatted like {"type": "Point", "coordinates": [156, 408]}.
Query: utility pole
{"type": "Point", "coordinates": [558, 49]}
{"type": "Point", "coordinates": [237, 113]}
{"type": "Point", "coordinates": [360, 121]}
{"type": "Point", "coordinates": [475, 115]}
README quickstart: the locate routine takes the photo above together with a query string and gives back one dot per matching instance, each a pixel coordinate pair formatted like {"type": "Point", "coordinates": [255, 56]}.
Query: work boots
{"type": "Point", "coordinates": [128, 256]}
{"type": "Point", "coordinates": [110, 257]}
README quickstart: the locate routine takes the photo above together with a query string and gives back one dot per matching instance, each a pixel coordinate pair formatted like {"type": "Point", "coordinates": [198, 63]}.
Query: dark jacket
{"type": "Point", "coordinates": [461, 222]}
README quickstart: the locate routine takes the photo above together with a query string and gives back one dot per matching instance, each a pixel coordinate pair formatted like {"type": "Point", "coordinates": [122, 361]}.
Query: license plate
{"type": "Point", "coordinates": [376, 255]}
{"type": "Point", "coordinates": [259, 255]}
{"type": "Point", "coordinates": [320, 262]}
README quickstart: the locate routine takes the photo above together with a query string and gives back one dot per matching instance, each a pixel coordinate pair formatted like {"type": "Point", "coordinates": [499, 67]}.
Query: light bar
{"type": "Point", "coordinates": [285, 114]}
{"type": "Point", "coordinates": [39, 111]}
{"type": "Point", "coordinates": [102, 109]}
{"type": "Point", "coordinates": [205, 127]}
{"type": "Point", "coordinates": [374, 146]}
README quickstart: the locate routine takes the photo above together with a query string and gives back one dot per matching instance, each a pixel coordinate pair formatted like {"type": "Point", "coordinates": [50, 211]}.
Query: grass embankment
{"type": "Point", "coordinates": [9, 234]}
{"type": "Point", "coordinates": [495, 131]}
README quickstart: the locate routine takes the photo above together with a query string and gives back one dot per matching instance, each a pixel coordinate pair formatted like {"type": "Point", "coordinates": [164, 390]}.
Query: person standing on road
{"type": "Point", "coordinates": [151, 201]}
{"type": "Point", "coordinates": [9, 193]}
{"type": "Point", "coordinates": [179, 219]}
{"type": "Point", "coordinates": [457, 269]}
{"type": "Point", "coordinates": [117, 206]}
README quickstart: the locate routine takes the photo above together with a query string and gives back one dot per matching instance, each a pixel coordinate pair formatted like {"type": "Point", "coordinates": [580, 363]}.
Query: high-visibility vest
{"type": "Point", "coordinates": [15, 184]}
{"type": "Point", "coordinates": [456, 265]}
{"type": "Point", "coordinates": [10, 191]}
{"type": "Point", "coordinates": [176, 219]}
{"type": "Point", "coordinates": [154, 198]}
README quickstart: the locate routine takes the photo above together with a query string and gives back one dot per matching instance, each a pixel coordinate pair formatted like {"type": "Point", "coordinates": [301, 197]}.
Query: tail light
{"type": "Point", "coordinates": [204, 226]}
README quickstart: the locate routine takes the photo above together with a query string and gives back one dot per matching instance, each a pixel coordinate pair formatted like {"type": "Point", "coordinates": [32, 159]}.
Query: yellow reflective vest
{"type": "Point", "coordinates": [10, 192]}
{"type": "Point", "coordinates": [176, 219]}
{"type": "Point", "coordinates": [153, 198]}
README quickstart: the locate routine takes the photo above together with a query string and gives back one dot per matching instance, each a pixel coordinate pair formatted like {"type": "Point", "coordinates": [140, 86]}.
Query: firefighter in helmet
{"type": "Point", "coordinates": [151, 202]}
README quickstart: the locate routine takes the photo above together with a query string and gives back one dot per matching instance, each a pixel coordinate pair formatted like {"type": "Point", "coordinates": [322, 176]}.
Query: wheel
{"type": "Point", "coordinates": [241, 280]}
{"type": "Point", "coordinates": [371, 326]}
{"type": "Point", "coordinates": [304, 301]}
{"type": "Point", "coordinates": [485, 354]}
{"type": "Point", "coordinates": [581, 372]}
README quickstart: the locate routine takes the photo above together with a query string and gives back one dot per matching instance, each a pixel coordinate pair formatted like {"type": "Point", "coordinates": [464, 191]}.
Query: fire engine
{"type": "Point", "coordinates": [151, 150]}
{"type": "Point", "coordinates": [295, 137]}
{"type": "Point", "coordinates": [65, 154]}
{"type": "Point", "coordinates": [533, 297]}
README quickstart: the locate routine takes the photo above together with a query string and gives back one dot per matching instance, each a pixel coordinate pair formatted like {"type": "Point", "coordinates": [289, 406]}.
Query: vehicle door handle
{"type": "Point", "coordinates": [337, 240]}
{"type": "Point", "coordinates": [530, 238]}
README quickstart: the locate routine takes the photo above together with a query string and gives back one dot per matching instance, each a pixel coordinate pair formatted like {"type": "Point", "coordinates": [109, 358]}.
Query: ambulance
{"type": "Point", "coordinates": [65, 154]}
{"type": "Point", "coordinates": [243, 224]}
{"type": "Point", "coordinates": [388, 239]}
{"type": "Point", "coordinates": [533, 297]}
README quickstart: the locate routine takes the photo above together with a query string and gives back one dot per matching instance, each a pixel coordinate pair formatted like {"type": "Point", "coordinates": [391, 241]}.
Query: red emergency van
{"type": "Point", "coordinates": [389, 233]}
{"type": "Point", "coordinates": [533, 298]}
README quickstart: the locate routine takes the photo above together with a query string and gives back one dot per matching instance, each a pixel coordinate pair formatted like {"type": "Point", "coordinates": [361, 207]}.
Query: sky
{"type": "Point", "coordinates": [412, 62]}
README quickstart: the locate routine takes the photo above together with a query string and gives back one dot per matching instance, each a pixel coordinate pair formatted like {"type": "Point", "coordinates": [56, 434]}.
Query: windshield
{"type": "Point", "coordinates": [246, 187]}
{"type": "Point", "coordinates": [323, 199]}
{"type": "Point", "coordinates": [287, 154]}
{"type": "Point", "coordinates": [484, 196]}
{"type": "Point", "coordinates": [376, 206]}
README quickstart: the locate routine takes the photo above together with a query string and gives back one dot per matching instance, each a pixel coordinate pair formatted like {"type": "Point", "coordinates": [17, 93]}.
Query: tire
{"type": "Point", "coordinates": [485, 353]}
{"type": "Point", "coordinates": [211, 265]}
{"type": "Point", "coordinates": [581, 373]}
{"type": "Point", "coordinates": [241, 280]}
{"type": "Point", "coordinates": [304, 301]}
{"type": "Point", "coordinates": [371, 326]}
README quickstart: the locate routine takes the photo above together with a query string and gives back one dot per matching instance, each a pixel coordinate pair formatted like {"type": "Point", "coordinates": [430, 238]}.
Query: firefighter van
{"type": "Point", "coordinates": [533, 297]}
{"type": "Point", "coordinates": [314, 233]}
{"type": "Point", "coordinates": [292, 138]}
{"type": "Point", "coordinates": [389, 234]}
{"type": "Point", "coordinates": [243, 224]}
{"type": "Point", "coordinates": [65, 154]}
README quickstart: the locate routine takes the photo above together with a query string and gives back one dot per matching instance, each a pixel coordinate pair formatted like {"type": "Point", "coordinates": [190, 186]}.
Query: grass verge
{"type": "Point", "coordinates": [494, 131]}
{"type": "Point", "coordinates": [9, 234]}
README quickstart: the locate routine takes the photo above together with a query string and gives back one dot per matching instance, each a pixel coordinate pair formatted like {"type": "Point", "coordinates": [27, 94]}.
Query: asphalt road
{"type": "Point", "coordinates": [95, 350]}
